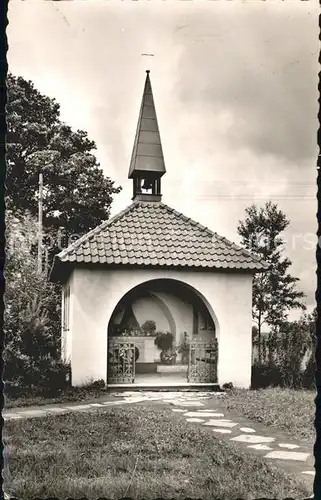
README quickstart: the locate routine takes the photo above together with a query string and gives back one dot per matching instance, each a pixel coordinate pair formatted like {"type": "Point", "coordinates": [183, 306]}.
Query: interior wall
{"type": "Point", "coordinates": [182, 313]}
{"type": "Point", "coordinates": [146, 308]}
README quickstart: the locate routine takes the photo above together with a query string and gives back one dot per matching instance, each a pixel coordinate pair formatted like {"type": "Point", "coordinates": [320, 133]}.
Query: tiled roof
{"type": "Point", "coordinates": [154, 234]}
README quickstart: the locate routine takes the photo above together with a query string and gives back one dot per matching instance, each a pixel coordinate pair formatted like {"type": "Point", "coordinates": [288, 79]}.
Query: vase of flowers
{"type": "Point", "coordinates": [164, 342]}
{"type": "Point", "coordinates": [168, 357]}
{"type": "Point", "coordinates": [149, 328]}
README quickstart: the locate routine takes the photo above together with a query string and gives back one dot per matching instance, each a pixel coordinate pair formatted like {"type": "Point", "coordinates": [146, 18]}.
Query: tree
{"type": "Point", "coordinates": [77, 194]}
{"type": "Point", "coordinates": [32, 310]}
{"type": "Point", "coordinates": [274, 292]}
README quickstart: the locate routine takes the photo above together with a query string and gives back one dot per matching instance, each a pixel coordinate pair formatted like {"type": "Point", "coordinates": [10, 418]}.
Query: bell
{"type": "Point", "coordinates": [147, 184]}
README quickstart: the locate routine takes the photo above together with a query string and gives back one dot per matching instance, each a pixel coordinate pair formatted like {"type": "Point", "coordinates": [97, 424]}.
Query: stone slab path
{"type": "Point", "coordinates": [203, 408]}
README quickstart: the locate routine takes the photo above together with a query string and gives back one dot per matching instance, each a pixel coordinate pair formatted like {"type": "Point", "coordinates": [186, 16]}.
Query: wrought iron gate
{"type": "Point", "coordinates": [202, 362]}
{"type": "Point", "coordinates": [121, 360]}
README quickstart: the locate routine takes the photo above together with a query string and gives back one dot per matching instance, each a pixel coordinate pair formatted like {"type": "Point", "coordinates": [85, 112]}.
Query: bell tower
{"type": "Point", "coordinates": [147, 162]}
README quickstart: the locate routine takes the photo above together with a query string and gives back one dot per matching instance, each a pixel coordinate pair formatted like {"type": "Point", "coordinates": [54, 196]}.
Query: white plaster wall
{"type": "Point", "coordinates": [96, 292]}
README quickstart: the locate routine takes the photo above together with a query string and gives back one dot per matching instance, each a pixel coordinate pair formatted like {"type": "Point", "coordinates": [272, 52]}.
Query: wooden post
{"type": "Point", "coordinates": [40, 208]}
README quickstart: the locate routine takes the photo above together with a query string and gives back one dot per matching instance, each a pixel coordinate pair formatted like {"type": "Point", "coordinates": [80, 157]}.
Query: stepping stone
{"type": "Point", "coordinates": [79, 407]}
{"type": "Point", "coordinates": [247, 429]}
{"type": "Point", "coordinates": [178, 410]}
{"type": "Point", "coordinates": [221, 423]}
{"type": "Point", "coordinates": [202, 414]}
{"type": "Point", "coordinates": [98, 405]}
{"type": "Point", "coordinates": [32, 413]}
{"type": "Point", "coordinates": [56, 410]}
{"type": "Point", "coordinates": [194, 420]}
{"type": "Point", "coordinates": [259, 447]}
{"type": "Point", "coordinates": [113, 403]}
{"type": "Point", "coordinates": [287, 455]}
{"type": "Point", "coordinates": [248, 438]}
{"type": "Point", "coordinates": [309, 472]}
{"type": "Point", "coordinates": [288, 446]}
{"type": "Point", "coordinates": [137, 399]}
{"type": "Point", "coordinates": [222, 431]}
{"type": "Point", "coordinates": [188, 400]}
{"type": "Point", "coordinates": [10, 416]}
{"type": "Point", "coordinates": [185, 403]}
{"type": "Point", "coordinates": [205, 411]}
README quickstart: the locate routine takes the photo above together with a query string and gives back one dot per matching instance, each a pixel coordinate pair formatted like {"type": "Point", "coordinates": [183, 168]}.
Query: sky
{"type": "Point", "coordinates": [235, 90]}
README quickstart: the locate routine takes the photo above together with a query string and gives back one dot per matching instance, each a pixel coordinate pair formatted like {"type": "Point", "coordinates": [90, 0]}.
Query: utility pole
{"type": "Point", "coordinates": [40, 209]}
{"type": "Point", "coordinates": [46, 262]}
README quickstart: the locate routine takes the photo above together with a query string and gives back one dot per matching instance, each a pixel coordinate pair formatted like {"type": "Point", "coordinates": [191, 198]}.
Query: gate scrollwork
{"type": "Point", "coordinates": [121, 361]}
{"type": "Point", "coordinates": [202, 364]}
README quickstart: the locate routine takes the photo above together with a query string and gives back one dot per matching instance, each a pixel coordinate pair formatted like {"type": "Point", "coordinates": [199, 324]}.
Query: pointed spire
{"type": "Point", "coordinates": [147, 157]}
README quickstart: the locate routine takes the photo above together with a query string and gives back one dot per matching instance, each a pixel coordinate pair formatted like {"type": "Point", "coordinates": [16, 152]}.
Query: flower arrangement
{"type": "Point", "coordinates": [130, 332]}
{"type": "Point", "coordinates": [164, 341]}
{"type": "Point", "coordinates": [168, 357]}
{"type": "Point", "coordinates": [183, 348]}
{"type": "Point", "coordinates": [149, 328]}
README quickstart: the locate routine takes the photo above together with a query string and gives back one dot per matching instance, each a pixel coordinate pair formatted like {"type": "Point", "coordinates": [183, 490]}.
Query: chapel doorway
{"type": "Point", "coordinates": [161, 333]}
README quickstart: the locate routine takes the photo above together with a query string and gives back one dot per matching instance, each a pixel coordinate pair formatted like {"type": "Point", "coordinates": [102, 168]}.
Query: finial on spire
{"type": "Point", "coordinates": [148, 71]}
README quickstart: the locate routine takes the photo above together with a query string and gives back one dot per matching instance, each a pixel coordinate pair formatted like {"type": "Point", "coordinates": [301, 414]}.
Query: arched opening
{"type": "Point", "coordinates": [162, 331]}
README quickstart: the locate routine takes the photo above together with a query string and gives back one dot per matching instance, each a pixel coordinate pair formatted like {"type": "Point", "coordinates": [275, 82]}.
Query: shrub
{"type": "Point", "coordinates": [228, 386]}
{"type": "Point", "coordinates": [46, 378]}
{"type": "Point", "coordinates": [30, 359]}
{"type": "Point", "coordinates": [284, 354]}
{"type": "Point", "coordinates": [265, 375]}
{"type": "Point", "coordinates": [96, 384]}
{"type": "Point", "coordinates": [32, 315]}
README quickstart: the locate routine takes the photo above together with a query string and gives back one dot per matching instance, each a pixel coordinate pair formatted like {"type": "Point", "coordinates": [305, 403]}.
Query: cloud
{"type": "Point", "coordinates": [235, 86]}
{"type": "Point", "coordinates": [262, 71]}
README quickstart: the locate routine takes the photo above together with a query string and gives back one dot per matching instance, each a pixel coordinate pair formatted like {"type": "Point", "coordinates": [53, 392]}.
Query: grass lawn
{"type": "Point", "coordinates": [138, 452]}
{"type": "Point", "coordinates": [288, 409]}
{"type": "Point", "coordinates": [72, 394]}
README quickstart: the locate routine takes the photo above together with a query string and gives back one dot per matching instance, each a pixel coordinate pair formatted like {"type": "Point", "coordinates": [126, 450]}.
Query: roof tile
{"type": "Point", "coordinates": [156, 234]}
